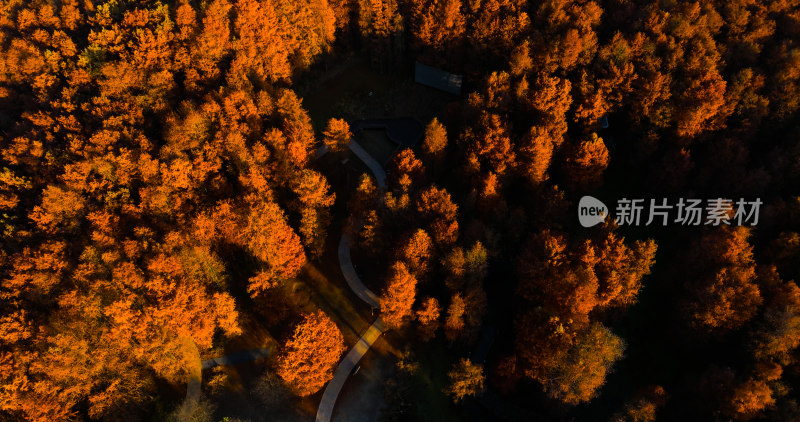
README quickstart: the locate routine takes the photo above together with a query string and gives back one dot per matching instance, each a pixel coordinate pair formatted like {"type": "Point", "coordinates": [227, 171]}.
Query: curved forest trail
{"type": "Point", "coordinates": [350, 275]}
{"type": "Point", "coordinates": [363, 344]}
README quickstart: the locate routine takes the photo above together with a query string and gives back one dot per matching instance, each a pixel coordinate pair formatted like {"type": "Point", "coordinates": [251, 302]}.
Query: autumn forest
{"type": "Point", "coordinates": [261, 210]}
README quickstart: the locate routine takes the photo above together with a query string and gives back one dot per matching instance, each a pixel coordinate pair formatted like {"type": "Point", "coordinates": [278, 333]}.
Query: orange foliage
{"type": "Point", "coordinates": [260, 48]}
{"type": "Point", "coordinates": [725, 295]}
{"type": "Point", "coordinates": [428, 317]}
{"type": "Point", "coordinates": [297, 128]}
{"type": "Point", "coordinates": [435, 206]}
{"type": "Point", "coordinates": [270, 238]}
{"type": "Point", "coordinates": [454, 323]}
{"type": "Point", "coordinates": [437, 25]}
{"type": "Point", "coordinates": [312, 189]}
{"type": "Point", "coordinates": [492, 146]}
{"type": "Point", "coordinates": [142, 139]}
{"type": "Point", "coordinates": [398, 297]}
{"type": "Point", "coordinates": [779, 332]}
{"type": "Point", "coordinates": [536, 150]}
{"type": "Point", "coordinates": [749, 399]}
{"type": "Point", "coordinates": [365, 198]}
{"type": "Point", "coordinates": [407, 170]}
{"type": "Point", "coordinates": [308, 28]}
{"type": "Point", "coordinates": [311, 355]}
{"type": "Point", "coordinates": [435, 141]}
{"type": "Point", "coordinates": [417, 253]}
{"type": "Point", "coordinates": [60, 209]}
{"type": "Point", "coordinates": [620, 269]}
{"type": "Point", "coordinates": [465, 379]}
{"type": "Point", "coordinates": [337, 135]}
{"type": "Point", "coordinates": [213, 41]}
{"type": "Point", "coordinates": [148, 138]}
{"type": "Point", "coordinates": [586, 163]}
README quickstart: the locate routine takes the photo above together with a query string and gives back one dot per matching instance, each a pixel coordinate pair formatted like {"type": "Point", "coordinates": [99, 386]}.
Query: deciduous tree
{"type": "Point", "coordinates": [417, 253]}
{"type": "Point", "coordinates": [435, 207]}
{"type": "Point", "coordinates": [586, 163]}
{"type": "Point", "coordinates": [435, 141]}
{"type": "Point", "coordinates": [337, 135]}
{"type": "Point", "coordinates": [270, 238]}
{"type": "Point", "coordinates": [466, 379]}
{"type": "Point", "coordinates": [311, 355]}
{"type": "Point", "coordinates": [398, 297]}
{"type": "Point", "coordinates": [577, 376]}
{"type": "Point", "coordinates": [725, 294]}
{"type": "Point", "coordinates": [428, 318]}
{"type": "Point", "coordinates": [454, 323]}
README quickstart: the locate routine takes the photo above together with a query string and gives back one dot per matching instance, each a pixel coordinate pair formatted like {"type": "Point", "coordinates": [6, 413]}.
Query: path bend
{"type": "Point", "coordinates": [334, 387]}
{"type": "Point", "coordinates": [350, 275]}
{"type": "Point", "coordinates": [373, 164]}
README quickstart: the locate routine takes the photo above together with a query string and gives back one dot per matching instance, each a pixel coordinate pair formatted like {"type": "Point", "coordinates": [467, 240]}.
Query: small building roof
{"type": "Point", "coordinates": [403, 131]}
{"type": "Point", "coordinates": [437, 78]}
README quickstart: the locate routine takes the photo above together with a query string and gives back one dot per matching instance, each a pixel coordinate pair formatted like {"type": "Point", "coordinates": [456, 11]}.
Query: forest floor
{"type": "Point", "coordinates": [238, 399]}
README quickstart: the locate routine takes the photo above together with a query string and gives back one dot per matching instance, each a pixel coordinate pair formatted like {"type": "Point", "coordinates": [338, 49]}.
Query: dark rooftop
{"type": "Point", "coordinates": [404, 131]}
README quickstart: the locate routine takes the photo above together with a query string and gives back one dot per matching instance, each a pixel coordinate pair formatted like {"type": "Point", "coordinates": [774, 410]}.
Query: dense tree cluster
{"type": "Point", "coordinates": [695, 94]}
{"type": "Point", "coordinates": [142, 142]}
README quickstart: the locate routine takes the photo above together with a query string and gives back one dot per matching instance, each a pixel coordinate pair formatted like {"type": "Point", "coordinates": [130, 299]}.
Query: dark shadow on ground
{"type": "Point", "coordinates": [361, 398]}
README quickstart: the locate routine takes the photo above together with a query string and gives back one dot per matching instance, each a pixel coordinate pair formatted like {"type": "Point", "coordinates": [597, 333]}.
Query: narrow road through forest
{"type": "Point", "coordinates": [345, 368]}
{"type": "Point", "coordinates": [355, 354]}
